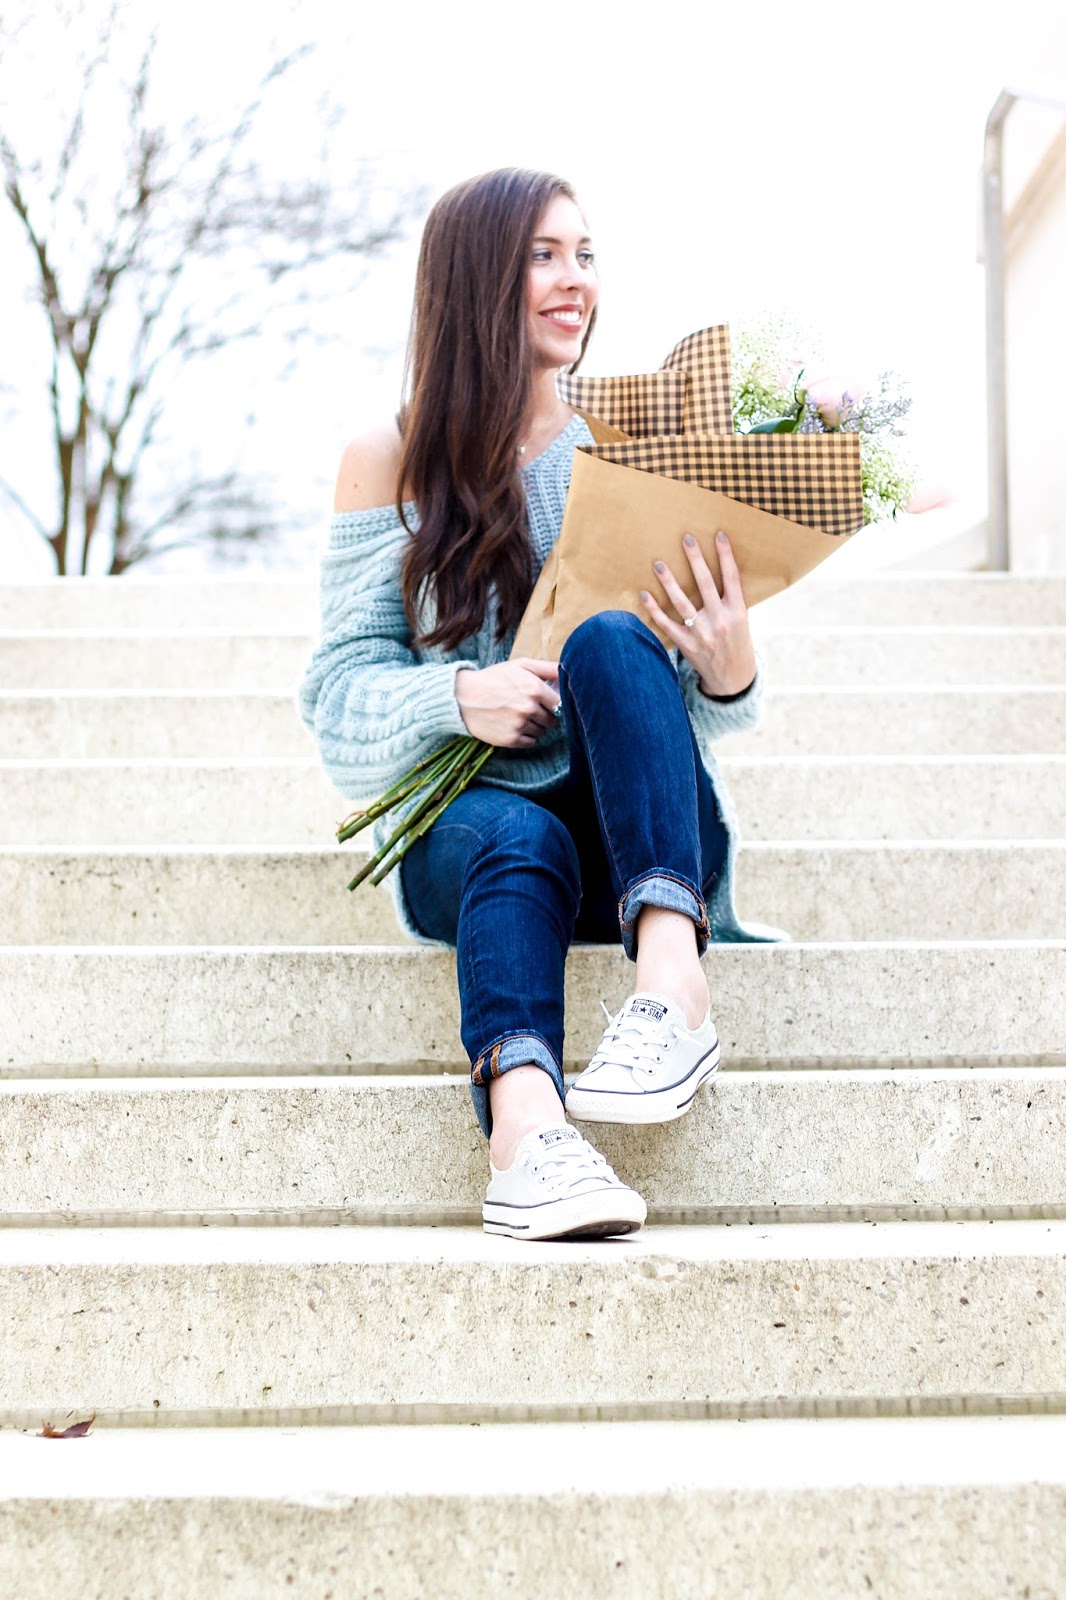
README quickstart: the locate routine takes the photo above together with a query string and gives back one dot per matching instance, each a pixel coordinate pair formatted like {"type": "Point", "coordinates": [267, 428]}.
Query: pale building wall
{"type": "Point", "coordinates": [1035, 193]}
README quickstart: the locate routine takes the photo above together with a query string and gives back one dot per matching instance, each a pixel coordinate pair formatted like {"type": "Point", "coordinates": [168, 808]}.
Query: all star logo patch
{"type": "Point", "coordinates": [651, 1009]}
{"type": "Point", "coordinates": [558, 1136]}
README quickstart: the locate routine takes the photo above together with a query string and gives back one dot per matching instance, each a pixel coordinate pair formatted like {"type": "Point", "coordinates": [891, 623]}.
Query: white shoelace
{"type": "Point", "coordinates": [633, 1042]}
{"type": "Point", "coordinates": [570, 1164]}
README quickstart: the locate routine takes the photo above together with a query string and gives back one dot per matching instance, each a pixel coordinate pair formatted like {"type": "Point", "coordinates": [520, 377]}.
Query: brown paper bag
{"type": "Point", "coordinates": [618, 520]}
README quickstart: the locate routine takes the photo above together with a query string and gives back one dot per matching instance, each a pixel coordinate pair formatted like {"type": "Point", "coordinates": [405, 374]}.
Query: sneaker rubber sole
{"type": "Point", "coordinates": [589, 1216]}
{"type": "Point", "coordinates": [645, 1106]}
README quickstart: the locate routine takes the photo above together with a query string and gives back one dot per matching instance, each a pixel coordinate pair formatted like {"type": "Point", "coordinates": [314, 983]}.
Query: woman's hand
{"type": "Point", "coordinates": [511, 704]}
{"type": "Point", "coordinates": [718, 639]}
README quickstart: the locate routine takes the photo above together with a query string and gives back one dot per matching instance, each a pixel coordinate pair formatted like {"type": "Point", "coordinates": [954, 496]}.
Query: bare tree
{"type": "Point", "coordinates": [167, 259]}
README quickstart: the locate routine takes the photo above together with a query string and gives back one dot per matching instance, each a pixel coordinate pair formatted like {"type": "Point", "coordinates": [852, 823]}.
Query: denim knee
{"type": "Point", "coordinates": [525, 839]}
{"type": "Point", "coordinates": [532, 831]}
{"type": "Point", "coordinates": [606, 629]}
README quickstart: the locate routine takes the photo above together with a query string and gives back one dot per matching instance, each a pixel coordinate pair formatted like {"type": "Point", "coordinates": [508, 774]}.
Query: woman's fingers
{"type": "Point", "coordinates": [702, 573]}
{"type": "Point", "coordinates": [710, 598]}
{"type": "Point", "coordinates": [732, 592]}
{"type": "Point", "coordinates": [539, 709]}
{"type": "Point", "coordinates": [544, 689]}
{"type": "Point", "coordinates": [548, 697]}
{"type": "Point", "coordinates": [548, 670]}
{"type": "Point", "coordinates": [679, 599]}
{"type": "Point", "coordinates": [669, 625]}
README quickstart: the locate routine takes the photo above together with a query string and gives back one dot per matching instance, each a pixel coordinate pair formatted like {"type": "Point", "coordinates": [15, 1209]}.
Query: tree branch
{"type": "Point", "coordinates": [180, 202]}
{"type": "Point", "coordinates": [31, 516]}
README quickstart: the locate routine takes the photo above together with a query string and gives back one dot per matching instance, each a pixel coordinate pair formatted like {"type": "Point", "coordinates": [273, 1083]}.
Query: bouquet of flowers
{"type": "Point", "coordinates": [772, 394]}
{"type": "Point", "coordinates": [669, 450]}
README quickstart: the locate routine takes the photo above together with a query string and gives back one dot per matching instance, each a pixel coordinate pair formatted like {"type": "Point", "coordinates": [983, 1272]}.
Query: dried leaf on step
{"type": "Point", "coordinates": [77, 1430]}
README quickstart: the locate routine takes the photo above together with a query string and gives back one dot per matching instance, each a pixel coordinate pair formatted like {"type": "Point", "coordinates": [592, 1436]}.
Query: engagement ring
{"type": "Point", "coordinates": [690, 621]}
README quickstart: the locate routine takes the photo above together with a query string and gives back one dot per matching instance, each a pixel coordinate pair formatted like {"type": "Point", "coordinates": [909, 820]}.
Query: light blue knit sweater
{"type": "Point", "coordinates": [376, 705]}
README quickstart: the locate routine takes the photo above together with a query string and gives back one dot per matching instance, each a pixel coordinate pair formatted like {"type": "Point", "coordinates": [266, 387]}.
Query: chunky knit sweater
{"type": "Point", "coordinates": [376, 704]}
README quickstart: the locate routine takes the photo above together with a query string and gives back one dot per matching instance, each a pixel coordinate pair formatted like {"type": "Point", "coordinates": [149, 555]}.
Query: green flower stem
{"type": "Point", "coordinates": [429, 792]}
{"type": "Point", "coordinates": [426, 772]}
{"type": "Point", "coordinates": [447, 779]}
{"type": "Point", "coordinates": [409, 836]}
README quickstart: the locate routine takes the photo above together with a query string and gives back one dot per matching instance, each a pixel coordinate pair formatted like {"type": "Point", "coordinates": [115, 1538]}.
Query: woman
{"type": "Point", "coordinates": [596, 818]}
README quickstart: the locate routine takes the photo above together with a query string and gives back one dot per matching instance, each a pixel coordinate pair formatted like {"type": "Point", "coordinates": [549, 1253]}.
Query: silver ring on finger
{"type": "Point", "coordinates": [690, 622]}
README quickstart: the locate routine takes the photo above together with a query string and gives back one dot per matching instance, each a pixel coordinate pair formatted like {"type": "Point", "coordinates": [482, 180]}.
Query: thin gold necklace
{"type": "Point", "coordinates": [522, 447]}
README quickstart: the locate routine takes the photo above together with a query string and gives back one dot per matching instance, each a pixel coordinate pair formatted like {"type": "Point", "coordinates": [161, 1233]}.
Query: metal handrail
{"type": "Point", "coordinates": [996, 317]}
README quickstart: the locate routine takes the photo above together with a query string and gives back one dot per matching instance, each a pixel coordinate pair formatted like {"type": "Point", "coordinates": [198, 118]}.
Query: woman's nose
{"type": "Point", "coordinates": [571, 274]}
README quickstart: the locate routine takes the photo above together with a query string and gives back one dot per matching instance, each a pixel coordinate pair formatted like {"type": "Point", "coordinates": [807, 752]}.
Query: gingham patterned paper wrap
{"type": "Point", "coordinates": [812, 478]}
{"type": "Point", "coordinates": [691, 392]}
{"type": "Point", "coordinates": [643, 403]}
{"type": "Point", "coordinates": [705, 357]}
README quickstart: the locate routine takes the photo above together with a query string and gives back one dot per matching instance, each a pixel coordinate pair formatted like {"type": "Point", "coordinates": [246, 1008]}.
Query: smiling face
{"type": "Point", "coordinates": [562, 287]}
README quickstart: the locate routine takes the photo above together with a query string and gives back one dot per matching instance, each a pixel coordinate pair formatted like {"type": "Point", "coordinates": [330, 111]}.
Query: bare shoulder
{"type": "Point", "coordinates": [369, 470]}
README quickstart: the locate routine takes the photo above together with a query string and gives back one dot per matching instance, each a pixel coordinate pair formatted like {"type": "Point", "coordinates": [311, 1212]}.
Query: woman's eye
{"type": "Point", "coordinates": [587, 258]}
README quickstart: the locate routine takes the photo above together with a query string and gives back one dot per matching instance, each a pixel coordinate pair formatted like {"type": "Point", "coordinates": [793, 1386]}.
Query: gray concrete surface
{"type": "Point", "coordinates": [407, 1149]}
{"type": "Point", "coordinates": [291, 805]}
{"type": "Point", "coordinates": [759, 1510]}
{"type": "Point", "coordinates": [146, 1010]}
{"type": "Point", "coordinates": [258, 660]}
{"type": "Point", "coordinates": [842, 721]}
{"type": "Point", "coordinates": [846, 890]}
{"type": "Point", "coordinates": [190, 1322]}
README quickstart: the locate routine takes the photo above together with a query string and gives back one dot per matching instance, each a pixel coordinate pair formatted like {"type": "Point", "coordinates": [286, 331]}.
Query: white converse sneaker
{"type": "Point", "coordinates": [559, 1187]}
{"type": "Point", "coordinates": [648, 1067]}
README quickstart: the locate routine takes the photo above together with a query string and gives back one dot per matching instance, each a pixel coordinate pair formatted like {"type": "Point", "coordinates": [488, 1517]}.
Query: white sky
{"type": "Point", "coordinates": [734, 160]}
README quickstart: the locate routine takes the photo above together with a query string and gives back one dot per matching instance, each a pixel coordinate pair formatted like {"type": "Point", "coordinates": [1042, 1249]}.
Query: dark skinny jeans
{"type": "Point", "coordinates": [511, 879]}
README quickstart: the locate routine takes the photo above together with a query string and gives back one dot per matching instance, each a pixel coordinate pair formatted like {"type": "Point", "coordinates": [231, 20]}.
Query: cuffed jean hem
{"type": "Point", "coordinates": [672, 894]}
{"type": "Point", "coordinates": [513, 1050]}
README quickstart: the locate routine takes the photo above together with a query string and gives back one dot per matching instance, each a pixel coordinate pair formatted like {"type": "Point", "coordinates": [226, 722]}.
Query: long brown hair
{"type": "Point", "coordinates": [469, 376]}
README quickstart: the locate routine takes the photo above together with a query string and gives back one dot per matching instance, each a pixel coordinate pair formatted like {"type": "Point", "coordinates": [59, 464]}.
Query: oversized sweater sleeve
{"type": "Point", "coordinates": [713, 719]}
{"type": "Point", "coordinates": [373, 707]}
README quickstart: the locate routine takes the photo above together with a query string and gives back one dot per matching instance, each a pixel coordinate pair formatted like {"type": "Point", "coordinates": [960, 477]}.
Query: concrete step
{"type": "Point", "coordinates": [757, 1146]}
{"type": "Point", "coordinates": [929, 599]}
{"type": "Point", "coordinates": [246, 662]}
{"type": "Point", "coordinates": [961, 721]}
{"type": "Point", "coordinates": [948, 599]}
{"type": "Point", "coordinates": [817, 892]}
{"type": "Point", "coordinates": [757, 1510]}
{"type": "Point", "coordinates": [194, 1326]}
{"type": "Point", "coordinates": [191, 897]}
{"type": "Point", "coordinates": [87, 1011]}
{"type": "Point", "coordinates": [843, 721]}
{"type": "Point", "coordinates": [930, 656]}
{"type": "Point", "coordinates": [884, 600]}
{"type": "Point", "coordinates": [287, 604]}
{"type": "Point", "coordinates": [112, 725]}
{"type": "Point", "coordinates": [89, 658]}
{"type": "Point", "coordinates": [286, 805]}
{"type": "Point", "coordinates": [913, 890]}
